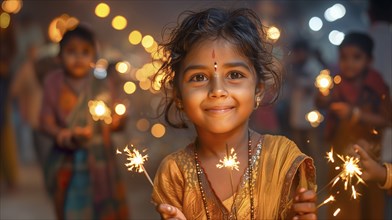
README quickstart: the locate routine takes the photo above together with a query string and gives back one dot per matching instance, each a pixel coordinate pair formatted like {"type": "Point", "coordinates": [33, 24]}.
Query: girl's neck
{"type": "Point", "coordinates": [214, 145]}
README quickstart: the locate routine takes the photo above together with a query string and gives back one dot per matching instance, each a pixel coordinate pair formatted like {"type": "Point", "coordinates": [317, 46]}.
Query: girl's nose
{"type": "Point", "coordinates": [217, 87]}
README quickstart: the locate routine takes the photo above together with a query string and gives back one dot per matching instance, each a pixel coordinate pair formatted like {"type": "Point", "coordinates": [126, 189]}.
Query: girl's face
{"type": "Point", "coordinates": [353, 61]}
{"type": "Point", "coordinates": [77, 57]}
{"type": "Point", "coordinates": [217, 86]}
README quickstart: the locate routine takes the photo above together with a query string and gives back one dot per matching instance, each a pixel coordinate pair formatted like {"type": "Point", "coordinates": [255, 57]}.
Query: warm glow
{"type": "Point", "coordinates": [122, 67]}
{"type": "Point", "coordinates": [129, 87]}
{"type": "Point", "coordinates": [145, 85]}
{"type": "Point", "coordinates": [147, 41]}
{"type": "Point", "coordinates": [5, 20]}
{"type": "Point", "coordinates": [119, 22]}
{"type": "Point", "coordinates": [337, 79]}
{"type": "Point", "coordinates": [273, 33]}
{"type": "Point", "coordinates": [324, 82]}
{"type": "Point", "coordinates": [120, 109]}
{"type": "Point", "coordinates": [59, 25]}
{"type": "Point", "coordinates": [153, 48]}
{"type": "Point", "coordinates": [135, 37]}
{"type": "Point", "coordinates": [142, 124]}
{"type": "Point", "coordinates": [99, 111]}
{"type": "Point", "coordinates": [102, 10]}
{"type": "Point", "coordinates": [158, 130]}
{"type": "Point", "coordinates": [314, 118]}
{"type": "Point", "coordinates": [12, 6]}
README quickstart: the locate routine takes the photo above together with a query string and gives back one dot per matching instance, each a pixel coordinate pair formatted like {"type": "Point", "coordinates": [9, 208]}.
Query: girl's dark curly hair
{"type": "Point", "coordinates": [241, 27]}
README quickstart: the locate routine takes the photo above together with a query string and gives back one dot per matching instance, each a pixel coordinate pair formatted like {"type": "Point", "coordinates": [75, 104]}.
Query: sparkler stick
{"type": "Point", "coordinates": [136, 163]}
{"type": "Point", "coordinates": [230, 162]}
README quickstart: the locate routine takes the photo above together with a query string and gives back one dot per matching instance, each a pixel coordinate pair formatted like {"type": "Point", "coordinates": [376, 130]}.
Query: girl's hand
{"type": "Point", "coordinates": [82, 132]}
{"type": "Point", "coordinates": [341, 109]}
{"type": "Point", "coordinates": [371, 170]}
{"type": "Point", "coordinates": [304, 205]}
{"type": "Point", "coordinates": [170, 212]}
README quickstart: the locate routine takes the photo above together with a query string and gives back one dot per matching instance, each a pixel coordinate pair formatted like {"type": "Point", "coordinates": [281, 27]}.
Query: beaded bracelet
{"type": "Point", "coordinates": [388, 181]}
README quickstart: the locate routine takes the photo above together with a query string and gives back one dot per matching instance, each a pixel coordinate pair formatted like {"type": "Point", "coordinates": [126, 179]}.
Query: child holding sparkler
{"type": "Point", "coordinates": [218, 68]}
{"type": "Point", "coordinates": [81, 172]}
{"type": "Point", "coordinates": [359, 107]}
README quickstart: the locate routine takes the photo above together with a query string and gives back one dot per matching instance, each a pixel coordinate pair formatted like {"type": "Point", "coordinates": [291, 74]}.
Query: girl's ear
{"type": "Point", "coordinates": [260, 90]}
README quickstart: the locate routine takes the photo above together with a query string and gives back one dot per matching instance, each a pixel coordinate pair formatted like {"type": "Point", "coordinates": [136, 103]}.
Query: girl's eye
{"type": "Point", "coordinates": [235, 75]}
{"type": "Point", "coordinates": [198, 78]}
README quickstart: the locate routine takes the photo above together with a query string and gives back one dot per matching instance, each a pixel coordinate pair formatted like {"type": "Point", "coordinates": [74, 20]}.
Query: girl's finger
{"type": "Point", "coordinates": [361, 152]}
{"type": "Point", "coordinates": [167, 211]}
{"type": "Point", "coordinates": [308, 195]}
{"type": "Point", "coordinates": [305, 207]}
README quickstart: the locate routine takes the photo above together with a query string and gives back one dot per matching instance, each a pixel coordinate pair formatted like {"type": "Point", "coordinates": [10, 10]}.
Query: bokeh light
{"type": "Point", "coordinates": [102, 10]}
{"type": "Point", "coordinates": [135, 37]}
{"type": "Point", "coordinates": [273, 33]}
{"type": "Point", "coordinates": [337, 79]}
{"type": "Point", "coordinates": [335, 12]}
{"type": "Point", "coordinates": [119, 22]}
{"type": "Point", "coordinates": [129, 87]}
{"type": "Point", "coordinates": [145, 85]}
{"type": "Point", "coordinates": [153, 48]}
{"type": "Point", "coordinates": [12, 6]}
{"type": "Point", "coordinates": [315, 24]}
{"type": "Point", "coordinates": [59, 25]}
{"type": "Point", "coordinates": [336, 37]}
{"type": "Point", "coordinates": [142, 124]}
{"type": "Point", "coordinates": [314, 118]}
{"type": "Point", "coordinates": [147, 41]}
{"type": "Point", "coordinates": [5, 20]}
{"type": "Point", "coordinates": [120, 109]}
{"type": "Point", "coordinates": [123, 67]}
{"type": "Point", "coordinates": [158, 130]}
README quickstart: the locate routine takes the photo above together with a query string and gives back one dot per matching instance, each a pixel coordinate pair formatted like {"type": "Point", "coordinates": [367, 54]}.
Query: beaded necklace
{"type": "Point", "coordinates": [250, 172]}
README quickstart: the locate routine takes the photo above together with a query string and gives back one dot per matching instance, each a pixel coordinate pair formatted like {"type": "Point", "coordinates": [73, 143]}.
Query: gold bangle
{"type": "Point", "coordinates": [388, 181]}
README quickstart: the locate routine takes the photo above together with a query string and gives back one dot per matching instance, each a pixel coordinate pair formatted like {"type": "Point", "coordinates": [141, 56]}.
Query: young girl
{"type": "Point", "coordinates": [359, 107]}
{"type": "Point", "coordinates": [80, 172]}
{"type": "Point", "coordinates": [217, 65]}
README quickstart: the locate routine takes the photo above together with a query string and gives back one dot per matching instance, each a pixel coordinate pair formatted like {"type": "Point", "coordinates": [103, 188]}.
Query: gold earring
{"type": "Point", "coordinates": [258, 100]}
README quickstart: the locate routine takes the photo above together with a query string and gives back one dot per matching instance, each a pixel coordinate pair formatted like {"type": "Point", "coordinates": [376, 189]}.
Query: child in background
{"type": "Point", "coordinates": [358, 108]}
{"type": "Point", "coordinates": [80, 171]}
{"type": "Point", "coordinates": [218, 66]}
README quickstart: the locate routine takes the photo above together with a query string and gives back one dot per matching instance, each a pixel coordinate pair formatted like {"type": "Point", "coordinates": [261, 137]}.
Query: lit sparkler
{"type": "Point", "coordinates": [136, 163]}
{"type": "Point", "coordinates": [229, 161]}
{"type": "Point", "coordinates": [100, 111]}
{"type": "Point", "coordinates": [324, 82]}
{"type": "Point", "coordinates": [349, 170]}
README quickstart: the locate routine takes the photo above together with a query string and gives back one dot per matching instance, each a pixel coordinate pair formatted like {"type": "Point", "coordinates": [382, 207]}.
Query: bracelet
{"type": "Point", "coordinates": [356, 114]}
{"type": "Point", "coordinates": [388, 181]}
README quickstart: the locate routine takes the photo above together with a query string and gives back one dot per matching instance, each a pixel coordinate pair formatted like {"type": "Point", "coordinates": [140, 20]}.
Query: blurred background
{"type": "Point", "coordinates": [305, 35]}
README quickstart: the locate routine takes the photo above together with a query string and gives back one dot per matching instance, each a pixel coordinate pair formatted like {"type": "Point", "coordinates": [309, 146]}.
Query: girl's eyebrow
{"type": "Point", "coordinates": [227, 65]}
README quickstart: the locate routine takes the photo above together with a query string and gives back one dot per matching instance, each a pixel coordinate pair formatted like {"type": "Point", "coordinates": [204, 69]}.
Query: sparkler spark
{"type": "Point", "coordinates": [331, 198]}
{"type": "Point", "coordinates": [229, 161]}
{"type": "Point", "coordinates": [354, 194]}
{"type": "Point", "coordinates": [330, 156]}
{"type": "Point", "coordinates": [350, 169]}
{"type": "Point", "coordinates": [336, 212]}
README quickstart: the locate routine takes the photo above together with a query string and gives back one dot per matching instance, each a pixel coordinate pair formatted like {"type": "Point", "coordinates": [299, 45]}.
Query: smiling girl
{"type": "Point", "coordinates": [215, 72]}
